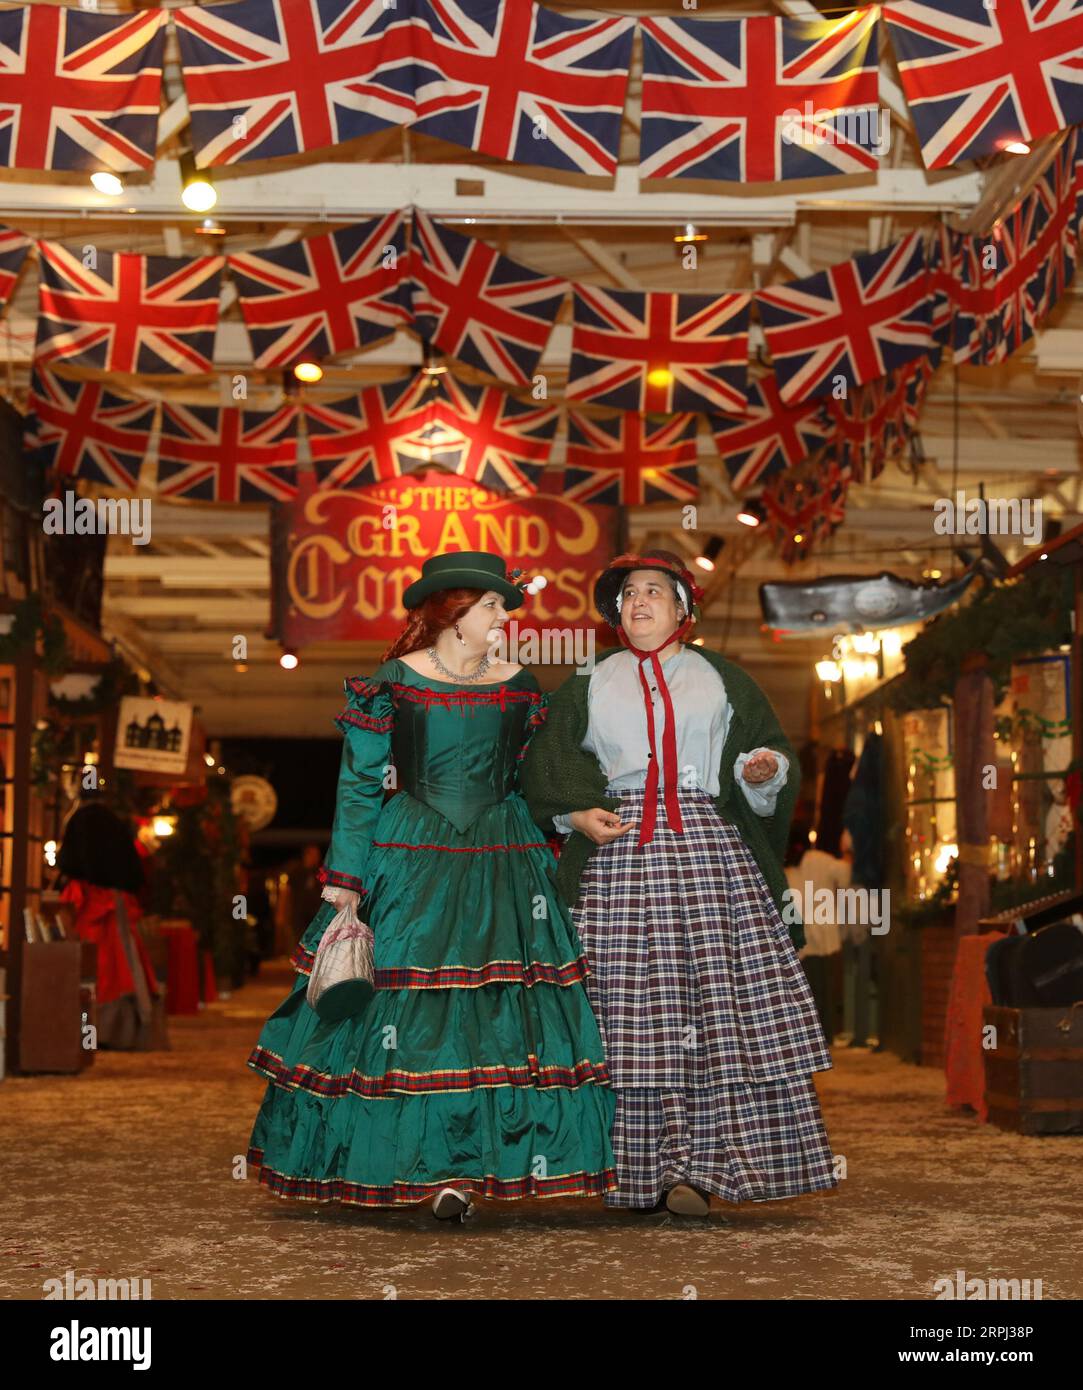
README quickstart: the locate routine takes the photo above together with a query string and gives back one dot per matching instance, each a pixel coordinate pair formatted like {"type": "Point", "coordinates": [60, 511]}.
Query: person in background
{"type": "Point", "coordinates": [104, 876]}
{"type": "Point", "coordinates": [298, 898]}
{"type": "Point", "coordinates": [808, 871]}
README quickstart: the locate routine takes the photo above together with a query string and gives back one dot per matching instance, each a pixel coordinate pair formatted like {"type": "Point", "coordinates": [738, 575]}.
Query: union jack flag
{"type": "Point", "coordinates": [918, 375]}
{"type": "Point", "coordinates": [1003, 287]}
{"type": "Point", "coordinates": [1056, 225]}
{"type": "Point", "coordinates": [773, 437]}
{"type": "Point", "coordinates": [629, 460]}
{"type": "Point", "coordinates": [127, 313]}
{"type": "Point", "coordinates": [370, 437]}
{"type": "Point", "coordinates": [874, 422]}
{"type": "Point", "coordinates": [266, 78]}
{"type": "Point", "coordinates": [758, 100]}
{"type": "Point", "coordinates": [326, 294]}
{"type": "Point", "coordinates": [226, 454]}
{"type": "Point", "coordinates": [477, 305]}
{"type": "Point", "coordinates": [858, 320]}
{"type": "Point", "coordinates": [486, 435]}
{"type": "Point", "coordinates": [13, 249]}
{"type": "Point", "coordinates": [523, 83]}
{"type": "Point", "coordinates": [659, 352]}
{"type": "Point", "coordinates": [964, 285]}
{"type": "Point", "coordinates": [868, 426]}
{"type": "Point", "coordinates": [79, 90]}
{"type": "Point", "coordinates": [945, 258]}
{"type": "Point", "coordinates": [978, 75]}
{"type": "Point", "coordinates": [1074, 145]}
{"type": "Point", "coordinates": [804, 506]}
{"type": "Point", "coordinates": [81, 429]}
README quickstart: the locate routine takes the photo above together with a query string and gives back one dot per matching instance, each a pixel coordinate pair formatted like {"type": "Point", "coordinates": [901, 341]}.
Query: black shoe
{"type": "Point", "coordinates": [686, 1200]}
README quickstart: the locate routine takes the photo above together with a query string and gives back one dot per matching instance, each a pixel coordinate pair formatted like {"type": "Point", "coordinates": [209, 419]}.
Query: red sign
{"type": "Point", "coordinates": [351, 555]}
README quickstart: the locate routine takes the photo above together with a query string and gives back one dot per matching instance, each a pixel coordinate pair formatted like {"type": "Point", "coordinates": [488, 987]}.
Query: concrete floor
{"type": "Point", "coordinates": [128, 1171]}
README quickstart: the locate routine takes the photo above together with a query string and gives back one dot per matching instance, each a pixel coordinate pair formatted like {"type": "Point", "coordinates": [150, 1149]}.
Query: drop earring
{"type": "Point", "coordinates": [458, 634]}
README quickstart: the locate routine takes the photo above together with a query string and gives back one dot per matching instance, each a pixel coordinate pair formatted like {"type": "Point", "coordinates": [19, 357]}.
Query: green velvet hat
{"type": "Point", "coordinates": [464, 569]}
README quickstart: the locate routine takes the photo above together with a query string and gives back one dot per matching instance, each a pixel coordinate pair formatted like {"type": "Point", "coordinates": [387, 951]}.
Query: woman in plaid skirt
{"type": "Point", "coordinates": [669, 775]}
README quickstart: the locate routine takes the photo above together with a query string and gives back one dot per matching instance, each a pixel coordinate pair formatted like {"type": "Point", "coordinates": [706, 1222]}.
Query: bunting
{"type": "Point", "coordinates": [760, 100]}
{"type": "Point", "coordinates": [520, 82]}
{"type": "Point", "coordinates": [126, 313]}
{"type": "Point", "coordinates": [79, 90]}
{"type": "Point", "coordinates": [631, 459]}
{"type": "Point", "coordinates": [659, 352]}
{"type": "Point", "coordinates": [81, 429]}
{"type": "Point", "coordinates": [485, 434]}
{"type": "Point", "coordinates": [370, 437]}
{"type": "Point", "coordinates": [325, 294]}
{"type": "Point", "coordinates": [805, 506]}
{"type": "Point", "coordinates": [478, 306]}
{"type": "Point", "coordinates": [227, 454]}
{"type": "Point", "coordinates": [268, 78]}
{"type": "Point", "coordinates": [13, 251]}
{"type": "Point", "coordinates": [978, 74]}
{"type": "Point", "coordinates": [773, 437]}
{"type": "Point", "coordinates": [857, 321]}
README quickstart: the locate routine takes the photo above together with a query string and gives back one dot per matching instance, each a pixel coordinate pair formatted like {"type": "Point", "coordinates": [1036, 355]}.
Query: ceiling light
{"type": "Point", "coordinates": [659, 376]}
{"type": "Point", "coordinates": [711, 552]}
{"type": "Point", "coordinates": [107, 183]}
{"type": "Point", "coordinates": [289, 660]}
{"type": "Point", "coordinates": [209, 227]}
{"type": "Point", "coordinates": [308, 371]}
{"type": "Point", "coordinates": [197, 191]}
{"type": "Point", "coordinates": [752, 512]}
{"type": "Point", "coordinates": [431, 363]}
{"type": "Point", "coordinates": [1015, 147]}
{"type": "Point", "coordinates": [690, 233]}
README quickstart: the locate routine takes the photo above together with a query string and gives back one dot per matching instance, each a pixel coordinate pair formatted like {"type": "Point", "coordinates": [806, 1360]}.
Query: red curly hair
{"type": "Point", "coordinates": [429, 619]}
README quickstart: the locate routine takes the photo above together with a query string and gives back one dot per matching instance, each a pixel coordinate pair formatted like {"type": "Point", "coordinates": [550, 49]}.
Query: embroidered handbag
{"type": "Point", "coordinates": [343, 974]}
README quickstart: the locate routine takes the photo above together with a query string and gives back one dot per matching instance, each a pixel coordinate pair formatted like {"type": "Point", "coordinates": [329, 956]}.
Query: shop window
{"type": "Point", "coordinates": [930, 801]}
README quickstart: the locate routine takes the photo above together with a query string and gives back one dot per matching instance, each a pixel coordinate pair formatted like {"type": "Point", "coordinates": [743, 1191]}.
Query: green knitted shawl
{"type": "Point", "coordinates": [558, 776]}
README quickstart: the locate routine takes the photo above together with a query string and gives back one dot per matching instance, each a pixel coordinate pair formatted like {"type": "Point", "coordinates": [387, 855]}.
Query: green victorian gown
{"type": "Point", "coordinates": [478, 1062]}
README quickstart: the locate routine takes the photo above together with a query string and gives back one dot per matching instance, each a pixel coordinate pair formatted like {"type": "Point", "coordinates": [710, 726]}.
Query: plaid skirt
{"type": "Point", "coordinates": [710, 1030]}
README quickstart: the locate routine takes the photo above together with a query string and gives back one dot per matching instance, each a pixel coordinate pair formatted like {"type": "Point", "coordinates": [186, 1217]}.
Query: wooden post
{"type": "Point", "coordinates": [20, 856]}
{"type": "Point", "coordinates": [973, 753]}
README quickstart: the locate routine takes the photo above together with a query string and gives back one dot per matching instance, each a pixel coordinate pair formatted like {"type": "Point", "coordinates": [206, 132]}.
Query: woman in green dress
{"type": "Point", "coordinates": [477, 1068]}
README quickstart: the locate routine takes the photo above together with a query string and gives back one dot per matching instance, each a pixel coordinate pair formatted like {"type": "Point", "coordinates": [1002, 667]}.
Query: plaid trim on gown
{"type": "Point", "coordinates": [478, 1062]}
{"type": "Point", "coordinates": [710, 1030]}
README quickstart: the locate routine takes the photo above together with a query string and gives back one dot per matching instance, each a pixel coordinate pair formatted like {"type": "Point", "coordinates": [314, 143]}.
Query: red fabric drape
{"type": "Point", "coordinates": [95, 912]}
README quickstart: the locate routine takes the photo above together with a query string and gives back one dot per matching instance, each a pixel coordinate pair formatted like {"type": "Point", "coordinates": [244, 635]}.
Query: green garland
{"type": "Point", "coordinates": [1029, 721]}
{"type": "Point", "coordinates": [930, 762]}
{"type": "Point", "coordinates": [116, 681]}
{"type": "Point", "coordinates": [30, 624]}
{"type": "Point", "coordinates": [1005, 621]}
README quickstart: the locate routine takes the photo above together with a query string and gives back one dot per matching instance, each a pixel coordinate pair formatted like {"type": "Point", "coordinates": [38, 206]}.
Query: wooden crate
{"type": "Point", "coordinates": [1034, 1075]}
{"type": "Point", "coordinates": [50, 1036]}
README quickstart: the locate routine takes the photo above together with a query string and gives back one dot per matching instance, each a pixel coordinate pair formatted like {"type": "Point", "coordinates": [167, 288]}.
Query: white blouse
{"type": "Point", "coordinates": [617, 729]}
